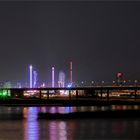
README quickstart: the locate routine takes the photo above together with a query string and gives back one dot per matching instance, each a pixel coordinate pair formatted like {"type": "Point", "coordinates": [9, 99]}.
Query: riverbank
{"type": "Point", "coordinates": [67, 102]}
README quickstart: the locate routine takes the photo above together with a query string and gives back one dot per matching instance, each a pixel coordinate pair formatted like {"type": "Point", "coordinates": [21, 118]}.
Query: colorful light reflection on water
{"type": "Point", "coordinates": [56, 130]}
{"type": "Point", "coordinates": [31, 125]}
{"type": "Point", "coordinates": [30, 128]}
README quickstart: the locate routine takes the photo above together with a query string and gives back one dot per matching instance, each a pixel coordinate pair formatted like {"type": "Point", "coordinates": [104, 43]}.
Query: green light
{"type": "Point", "coordinates": [3, 94]}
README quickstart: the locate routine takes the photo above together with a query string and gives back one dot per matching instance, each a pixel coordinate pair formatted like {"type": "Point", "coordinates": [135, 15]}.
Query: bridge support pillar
{"type": "Point", "coordinates": [135, 94]}
{"type": "Point", "coordinates": [76, 94]}
{"type": "Point", "coordinates": [93, 93]}
{"type": "Point", "coordinates": [39, 94]}
{"type": "Point", "coordinates": [70, 94]}
{"type": "Point", "coordinates": [101, 94]}
{"type": "Point", "coordinates": [107, 94]}
{"type": "Point", "coordinates": [48, 94]}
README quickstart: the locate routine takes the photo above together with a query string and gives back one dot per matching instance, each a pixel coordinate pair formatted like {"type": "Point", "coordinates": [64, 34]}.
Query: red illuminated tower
{"type": "Point", "coordinates": [119, 78]}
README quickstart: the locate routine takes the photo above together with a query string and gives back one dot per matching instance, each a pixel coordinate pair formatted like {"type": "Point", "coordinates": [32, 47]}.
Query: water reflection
{"type": "Point", "coordinates": [31, 126]}
{"type": "Point", "coordinates": [53, 110]}
{"type": "Point", "coordinates": [68, 109]}
{"type": "Point", "coordinates": [43, 109]}
{"type": "Point", "coordinates": [62, 127]}
{"type": "Point", "coordinates": [52, 130]}
{"type": "Point", "coordinates": [58, 130]}
{"type": "Point", "coordinates": [106, 129]}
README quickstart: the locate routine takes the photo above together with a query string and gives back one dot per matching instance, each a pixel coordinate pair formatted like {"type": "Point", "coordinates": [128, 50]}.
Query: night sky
{"type": "Point", "coordinates": [101, 38]}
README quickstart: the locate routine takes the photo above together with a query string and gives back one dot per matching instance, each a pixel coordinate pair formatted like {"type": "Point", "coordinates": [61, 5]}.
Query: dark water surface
{"type": "Point", "coordinates": [22, 123]}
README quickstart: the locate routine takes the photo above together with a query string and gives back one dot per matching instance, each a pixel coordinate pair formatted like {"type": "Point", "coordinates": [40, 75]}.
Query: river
{"type": "Point", "coordinates": [22, 123]}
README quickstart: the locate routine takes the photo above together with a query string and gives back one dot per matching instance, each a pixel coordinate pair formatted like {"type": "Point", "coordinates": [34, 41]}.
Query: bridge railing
{"type": "Point", "coordinates": [98, 92]}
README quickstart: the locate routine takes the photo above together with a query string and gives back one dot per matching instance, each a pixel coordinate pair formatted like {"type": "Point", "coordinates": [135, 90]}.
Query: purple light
{"type": "Point", "coordinates": [31, 76]}
{"type": "Point", "coordinates": [52, 77]}
{"type": "Point", "coordinates": [34, 78]}
{"type": "Point", "coordinates": [52, 110]}
{"type": "Point", "coordinates": [61, 79]}
{"type": "Point", "coordinates": [69, 85]}
{"type": "Point", "coordinates": [31, 125]}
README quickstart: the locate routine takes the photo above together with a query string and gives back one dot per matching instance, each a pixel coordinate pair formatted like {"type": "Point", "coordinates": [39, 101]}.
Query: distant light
{"type": "Point", "coordinates": [61, 79]}
{"type": "Point", "coordinates": [119, 74]}
{"type": "Point", "coordinates": [52, 77]}
{"type": "Point", "coordinates": [113, 81]}
{"type": "Point", "coordinates": [34, 78]}
{"type": "Point", "coordinates": [43, 85]}
{"type": "Point", "coordinates": [31, 76]}
{"type": "Point", "coordinates": [3, 94]}
{"type": "Point", "coordinates": [69, 85]}
{"type": "Point", "coordinates": [31, 91]}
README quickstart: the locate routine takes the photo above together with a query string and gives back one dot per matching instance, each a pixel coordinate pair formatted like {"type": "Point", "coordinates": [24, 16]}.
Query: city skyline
{"type": "Point", "coordinates": [69, 69]}
{"type": "Point", "coordinates": [101, 38]}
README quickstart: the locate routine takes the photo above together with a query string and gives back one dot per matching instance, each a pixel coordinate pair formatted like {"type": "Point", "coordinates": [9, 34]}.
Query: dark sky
{"type": "Point", "coordinates": [101, 38]}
